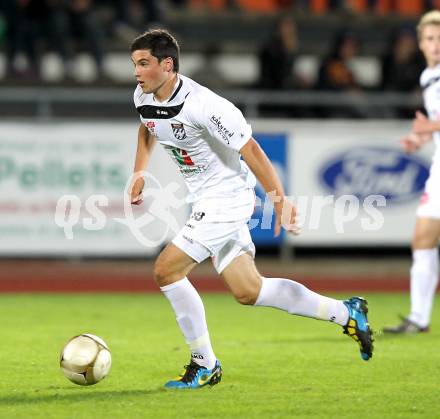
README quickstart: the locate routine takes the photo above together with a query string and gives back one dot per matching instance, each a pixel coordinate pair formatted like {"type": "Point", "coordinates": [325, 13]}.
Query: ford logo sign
{"type": "Point", "coordinates": [383, 171]}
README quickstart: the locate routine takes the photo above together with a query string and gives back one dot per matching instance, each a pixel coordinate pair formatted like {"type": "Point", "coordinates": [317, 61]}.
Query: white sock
{"type": "Point", "coordinates": [295, 298]}
{"type": "Point", "coordinates": [424, 279]}
{"type": "Point", "coordinates": [190, 316]}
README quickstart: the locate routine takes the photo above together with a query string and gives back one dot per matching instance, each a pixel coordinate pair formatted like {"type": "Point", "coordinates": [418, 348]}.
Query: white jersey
{"type": "Point", "coordinates": [430, 83]}
{"type": "Point", "coordinates": [429, 206]}
{"type": "Point", "coordinates": [203, 133]}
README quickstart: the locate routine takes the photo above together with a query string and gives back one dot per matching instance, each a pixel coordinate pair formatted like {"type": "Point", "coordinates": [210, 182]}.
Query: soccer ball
{"type": "Point", "coordinates": [85, 359]}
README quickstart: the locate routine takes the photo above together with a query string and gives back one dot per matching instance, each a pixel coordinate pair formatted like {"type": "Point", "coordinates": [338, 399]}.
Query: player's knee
{"type": "Point", "coordinates": [161, 273]}
{"type": "Point", "coordinates": [423, 241]}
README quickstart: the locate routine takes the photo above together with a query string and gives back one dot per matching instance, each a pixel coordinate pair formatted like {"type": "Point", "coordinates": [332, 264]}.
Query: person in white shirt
{"type": "Point", "coordinates": [424, 269]}
{"type": "Point", "coordinates": [211, 143]}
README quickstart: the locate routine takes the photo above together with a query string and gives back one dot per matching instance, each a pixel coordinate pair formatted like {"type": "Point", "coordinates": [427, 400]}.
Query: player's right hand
{"type": "Point", "coordinates": [135, 192]}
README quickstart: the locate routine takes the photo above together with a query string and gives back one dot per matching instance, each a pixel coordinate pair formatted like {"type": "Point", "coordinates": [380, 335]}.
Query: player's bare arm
{"type": "Point", "coordinates": [266, 174]}
{"type": "Point", "coordinates": [145, 146]}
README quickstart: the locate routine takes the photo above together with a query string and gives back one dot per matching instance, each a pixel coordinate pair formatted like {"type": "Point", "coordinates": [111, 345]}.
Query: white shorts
{"type": "Point", "coordinates": [217, 228]}
{"type": "Point", "coordinates": [429, 206]}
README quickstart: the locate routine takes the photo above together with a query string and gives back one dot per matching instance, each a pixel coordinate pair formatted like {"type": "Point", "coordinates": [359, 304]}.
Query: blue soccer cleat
{"type": "Point", "coordinates": [357, 327]}
{"type": "Point", "coordinates": [196, 376]}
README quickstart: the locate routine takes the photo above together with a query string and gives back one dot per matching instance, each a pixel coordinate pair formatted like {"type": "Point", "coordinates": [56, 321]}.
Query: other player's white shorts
{"type": "Point", "coordinates": [429, 206]}
{"type": "Point", "coordinates": [218, 228]}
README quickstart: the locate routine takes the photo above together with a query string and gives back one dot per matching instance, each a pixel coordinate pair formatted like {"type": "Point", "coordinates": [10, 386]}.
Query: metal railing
{"type": "Point", "coordinates": [45, 101]}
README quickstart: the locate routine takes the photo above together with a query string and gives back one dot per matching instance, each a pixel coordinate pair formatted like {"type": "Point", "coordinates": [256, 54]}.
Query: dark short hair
{"type": "Point", "coordinates": [161, 45]}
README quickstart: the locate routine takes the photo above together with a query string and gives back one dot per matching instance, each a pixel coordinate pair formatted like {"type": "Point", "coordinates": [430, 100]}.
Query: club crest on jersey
{"type": "Point", "coordinates": [179, 131]}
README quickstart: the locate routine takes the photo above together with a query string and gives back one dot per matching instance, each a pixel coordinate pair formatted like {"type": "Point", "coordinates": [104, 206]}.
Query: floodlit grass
{"type": "Point", "coordinates": [275, 365]}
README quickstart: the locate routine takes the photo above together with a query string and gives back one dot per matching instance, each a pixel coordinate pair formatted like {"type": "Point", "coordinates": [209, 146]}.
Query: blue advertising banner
{"type": "Point", "coordinates": [263, 220]}
{"type": "Point", "coordinates": [386, 171]}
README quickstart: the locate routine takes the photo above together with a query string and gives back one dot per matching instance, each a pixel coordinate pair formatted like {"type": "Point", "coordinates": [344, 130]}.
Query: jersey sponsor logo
{"type": "Point", "coordinates": [179, 131]}
{"type": "Point", "coordinates": [181, 156]}
{"type": "Point", "coordinates": [221, 129]}
{"type": "Point", "coordinates": [184, 161]}
{"type": "Point", "coordinates": [364, 171]}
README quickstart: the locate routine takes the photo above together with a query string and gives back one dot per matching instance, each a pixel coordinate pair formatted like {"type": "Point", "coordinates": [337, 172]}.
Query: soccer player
{"type": "Point", "coordinates": [206, 135]}
{"type": "Point", "coordinates": [424, 270]}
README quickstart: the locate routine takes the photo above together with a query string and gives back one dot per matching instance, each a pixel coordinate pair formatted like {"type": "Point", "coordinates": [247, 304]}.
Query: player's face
{"type": "Point", "coordinates": [149, 72]}
{"type": "Point", "coordinates": [430, 44]}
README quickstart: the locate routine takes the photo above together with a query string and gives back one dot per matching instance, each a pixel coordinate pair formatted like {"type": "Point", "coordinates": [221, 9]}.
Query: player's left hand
{"type": "Point", "coordinates": [421, 124]}
{"type": "Point", "coordinates": [285, 216]}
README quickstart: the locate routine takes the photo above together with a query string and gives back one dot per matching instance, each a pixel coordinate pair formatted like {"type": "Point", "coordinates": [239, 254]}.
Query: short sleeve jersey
{"type": "Point", "coordinates": [430, 83]}
{"type": "Point", "coordinates": [203, 133]}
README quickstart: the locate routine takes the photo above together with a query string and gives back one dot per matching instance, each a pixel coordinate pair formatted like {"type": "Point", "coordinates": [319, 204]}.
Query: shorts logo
{"type": "Point", "coordinates": [179, 131]}
{"type": "Point", "coordinates": [198, 215]}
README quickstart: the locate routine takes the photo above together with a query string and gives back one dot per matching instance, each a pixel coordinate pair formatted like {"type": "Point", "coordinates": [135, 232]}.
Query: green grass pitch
{"type": "Point", "coordinates": [275, 365]}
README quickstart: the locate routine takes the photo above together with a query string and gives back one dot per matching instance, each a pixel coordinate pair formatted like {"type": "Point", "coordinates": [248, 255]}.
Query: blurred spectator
{"type": "Point", "coordinates": [335, 72]}
{"type": "Point", "coordinates": [122, 24]}
{"type": "Point", "coordinates": [381, 7]}
{"type": "Point", "coordinates": [208, 73]}
{"type": "Point", "coordinates": [277, 57]}
{"type": "Point", "coordinates": [57, 22]}
{"type": "Point", "coordinates": [85, 30]}
{"type": "Point", "coordinates": [402, 64]}
{"type": "Point", "coordinates": [27, 21]}
{"type": "Point", "coordinates": [132, 17]}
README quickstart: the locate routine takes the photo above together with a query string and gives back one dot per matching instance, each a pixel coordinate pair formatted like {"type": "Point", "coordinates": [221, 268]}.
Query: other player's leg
{"type": "Point", "coordinates": [424, 277]}
{"type": "Point", "coordinates": [170, 271]}
{"type": "Point", "coordinates": [249, 287]}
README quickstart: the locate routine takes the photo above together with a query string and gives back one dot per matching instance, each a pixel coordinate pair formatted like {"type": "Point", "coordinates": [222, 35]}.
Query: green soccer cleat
{"type": "Point", "coordinates": [357, 327]}
{"type": "Point", "coordinates": [195, 376]}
